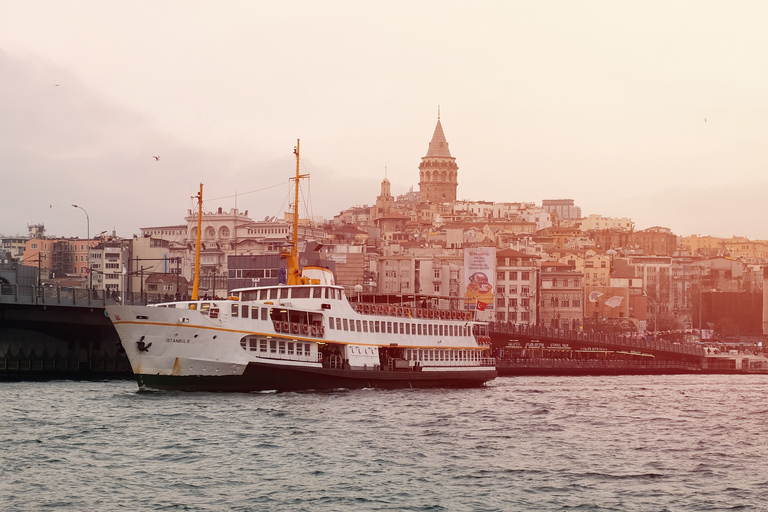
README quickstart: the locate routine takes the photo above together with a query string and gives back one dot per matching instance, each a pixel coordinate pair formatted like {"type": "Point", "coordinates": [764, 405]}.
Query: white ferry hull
{"type": "Point", "coordinates": [178, 349]}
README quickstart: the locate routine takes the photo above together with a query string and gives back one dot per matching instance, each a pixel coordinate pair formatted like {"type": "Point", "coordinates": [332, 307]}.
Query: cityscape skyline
{"type": "Point", "coordinates": [653, 112]}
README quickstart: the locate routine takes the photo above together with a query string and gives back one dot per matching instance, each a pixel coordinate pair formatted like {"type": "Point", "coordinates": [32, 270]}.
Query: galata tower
{"type": "Point", "coordinates": [438, 170]}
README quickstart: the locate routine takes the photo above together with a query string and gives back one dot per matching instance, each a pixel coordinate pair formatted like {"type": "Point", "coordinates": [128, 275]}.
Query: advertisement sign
{"type": "Point", "coordinates": [479, 278]}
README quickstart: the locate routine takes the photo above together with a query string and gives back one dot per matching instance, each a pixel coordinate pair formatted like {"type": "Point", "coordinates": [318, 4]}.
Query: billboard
{"type": "Point", "coordinates": [479, 279]}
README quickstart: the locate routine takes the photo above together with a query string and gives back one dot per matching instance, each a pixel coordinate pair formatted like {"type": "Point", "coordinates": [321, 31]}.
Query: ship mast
{"type": "Point", "coordinates": [196, 283]}
{"type": "Point", "coordinates": [294, 272]}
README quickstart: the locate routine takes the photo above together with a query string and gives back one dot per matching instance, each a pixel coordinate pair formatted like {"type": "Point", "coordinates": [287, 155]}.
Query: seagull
{"type": "Point", "coordinates": [156, 158]}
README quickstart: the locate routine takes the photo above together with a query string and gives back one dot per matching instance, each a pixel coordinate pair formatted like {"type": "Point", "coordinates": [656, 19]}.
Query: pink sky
{"type": "Point", "coordinates": [601, 102]}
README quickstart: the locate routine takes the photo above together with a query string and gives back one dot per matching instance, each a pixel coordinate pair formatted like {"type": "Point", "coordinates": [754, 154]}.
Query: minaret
{"type": "Point", "coordinates": [384, 201]}
{"type": "Point", "coordinates": [438, 170]}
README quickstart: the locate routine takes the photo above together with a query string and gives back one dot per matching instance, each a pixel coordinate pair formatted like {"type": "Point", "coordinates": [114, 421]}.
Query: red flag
{"type": "Point", "coordinates": [481, 306]}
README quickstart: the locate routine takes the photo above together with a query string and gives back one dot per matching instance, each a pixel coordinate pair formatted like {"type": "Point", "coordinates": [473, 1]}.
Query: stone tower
{"type": "Point", "coordinates": [438, 170]}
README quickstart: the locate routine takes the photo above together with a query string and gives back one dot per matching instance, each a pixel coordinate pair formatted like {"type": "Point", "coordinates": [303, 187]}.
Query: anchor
{"type": "Point", "coordinates": [142, 346]}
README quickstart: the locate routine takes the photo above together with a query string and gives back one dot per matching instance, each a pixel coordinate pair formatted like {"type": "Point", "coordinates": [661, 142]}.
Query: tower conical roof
{"type": "Point", "coordinates": [438, 146]}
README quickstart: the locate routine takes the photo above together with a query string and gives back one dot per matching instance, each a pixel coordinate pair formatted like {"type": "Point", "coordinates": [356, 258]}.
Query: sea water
{"type": "Point", "coordinates": [580, 443]}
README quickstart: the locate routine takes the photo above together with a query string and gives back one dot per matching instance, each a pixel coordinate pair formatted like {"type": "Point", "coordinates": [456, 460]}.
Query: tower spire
{"type": "Point", "coordinates": [438, 112]}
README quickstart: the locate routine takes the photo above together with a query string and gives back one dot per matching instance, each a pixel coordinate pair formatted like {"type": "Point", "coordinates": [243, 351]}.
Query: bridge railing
{"type": "Point", "coordinates": [70, 296]}
{"type": "Point", "coordinates": [610, 340]}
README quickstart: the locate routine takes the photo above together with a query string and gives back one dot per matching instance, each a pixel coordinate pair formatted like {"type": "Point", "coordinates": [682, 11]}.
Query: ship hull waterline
{"type": "Point", "coordinates": [270, 377]}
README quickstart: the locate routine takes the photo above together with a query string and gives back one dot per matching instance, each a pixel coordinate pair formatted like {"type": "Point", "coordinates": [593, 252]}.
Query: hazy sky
{"type": "Point", "coordinates": [601, 102]}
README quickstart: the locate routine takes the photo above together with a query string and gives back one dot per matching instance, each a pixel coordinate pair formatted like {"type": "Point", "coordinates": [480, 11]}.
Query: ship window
{"type": "Point", "coordinates": [282, 347]}
{"type": "Point", "coordinates": [264, 313]}
{"type": "Point", "coordinates": [389, 327]}
{"type": "Point", "coordinates": [330, 323]}
{"type": "Point", "coordinates": [327, 293]}
{"type": "Point", "coordinates": [204, 307]}
{"type": "Point", "coordinates": [419, 329]}
{"type": "Point", "coordinates": [254, 345]}
{"type": "Point", "coordinates": [284, 293]}
{"type": "Point", "coordinates": [263, 294]}
{"type": "Point", "coordinates": [244, 311]}
{"type": "Point", "coordinates": [300, 293]}
{"type": "Point", "coordinates": [317, 293]}
{"type": "Point", "coordinates": [273, 346]}
{"type": "Point", "coordinates": [299, 348]}
{"type": "Point", "coordinates": [244, 342]}
{"type": "Point", "coordinates": [273, 293]}
{"type": "Point", "coordinates": [430, 329]}
{"type": "Point", "coordinates": [440, 330]}
{"type": "Point", "coordinates": [407, 328]}
{"type": "Point", "coordinates": [307, 349]}
{"type": "Point", "coordinates": [346, 325]}
{"type": "Point", "coordinates": [290, 348]}
{"type": "Point", "coordinates": [358, 325]}
{"type": "Point", "coordinates": [255, 313]}
{"type": "Point", "coordinates": [365, 325]}
{"type": "Point", "coordinates": [234, 310]}
{"type": "Point", "coordinates": [376, 324]}
{"type": "Point", "coordinates": [263, 346]}
{"type": "Point", "coordinates": [338, 323]}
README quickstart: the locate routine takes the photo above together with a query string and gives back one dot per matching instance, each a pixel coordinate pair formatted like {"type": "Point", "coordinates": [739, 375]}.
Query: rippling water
{"type": "Point", "coordinates": [583, 443]}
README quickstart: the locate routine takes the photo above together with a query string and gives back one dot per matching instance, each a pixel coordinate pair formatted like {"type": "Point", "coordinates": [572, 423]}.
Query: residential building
{"type": "Point", "coordinates": [561, 297]}
{"type": "Point", "coordinates": [516, 287]}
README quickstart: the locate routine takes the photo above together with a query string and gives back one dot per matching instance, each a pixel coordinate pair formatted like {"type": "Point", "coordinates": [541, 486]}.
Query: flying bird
{"type": "Point", "coordinates": [156, 158]}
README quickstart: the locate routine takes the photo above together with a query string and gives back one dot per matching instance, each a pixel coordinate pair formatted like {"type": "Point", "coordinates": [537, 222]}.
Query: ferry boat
{"type": "Point", "coordinates": [300, 336]}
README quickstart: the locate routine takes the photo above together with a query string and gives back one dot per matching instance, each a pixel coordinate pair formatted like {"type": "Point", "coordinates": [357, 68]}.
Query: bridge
{"type": "Point", "coordinates": [51, 332]}
{"type": "Point", "coordinates": [58, 332]}
{"type": "Point", "coordinates": [532, 350]}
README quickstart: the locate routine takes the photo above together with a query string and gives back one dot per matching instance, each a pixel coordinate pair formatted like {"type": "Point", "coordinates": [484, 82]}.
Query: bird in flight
{"type": "Point", "coordinates": [156, 158]}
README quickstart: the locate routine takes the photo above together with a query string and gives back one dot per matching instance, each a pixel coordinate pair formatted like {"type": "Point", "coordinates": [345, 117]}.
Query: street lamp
{"type": "Point", "coordinates": [655, 312]}
{"type": "Point", "coordinates": [88, 255]}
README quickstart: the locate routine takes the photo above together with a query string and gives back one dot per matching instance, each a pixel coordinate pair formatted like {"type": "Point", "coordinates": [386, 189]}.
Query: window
{"type": "Point", "coordinates": [526, 303]}
{"type": "Point", "coordinates": [500, 302]}
{"type": "Point", "coordinates": [358, 326]}
{"type": "Point", "coordinates": [437, 287]}
{"type": "Point", "coordinates": [526, 276]}
{"type": "Point", "coordinates": [500, 276]}
{"type": "Point", "coordinates": [437, 273]}
{"type": "Point", "coordinates": [234, 310]}
{"type": "Point", "coordinates": [513, 276]}
{"type": "Point", "coordinates": [513, 303]}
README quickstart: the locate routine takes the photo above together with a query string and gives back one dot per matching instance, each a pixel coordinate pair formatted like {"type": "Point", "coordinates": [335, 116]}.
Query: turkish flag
{"type": "Point", "coordinates": [481, 306]}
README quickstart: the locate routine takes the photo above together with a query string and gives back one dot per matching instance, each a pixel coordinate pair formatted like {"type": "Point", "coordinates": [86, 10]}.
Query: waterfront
{"type": "Point", "coordinates": [684, 442]}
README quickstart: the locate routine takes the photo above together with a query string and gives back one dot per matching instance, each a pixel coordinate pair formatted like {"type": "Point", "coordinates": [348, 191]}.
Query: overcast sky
{"type": "Point", "coordinates": [657, 111]}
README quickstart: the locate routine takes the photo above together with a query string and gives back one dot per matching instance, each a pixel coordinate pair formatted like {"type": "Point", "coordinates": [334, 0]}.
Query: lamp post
{"type": "Point", "coordinates": [88, 255]}
{"type": "Point", "coordinates": [654, 313]}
